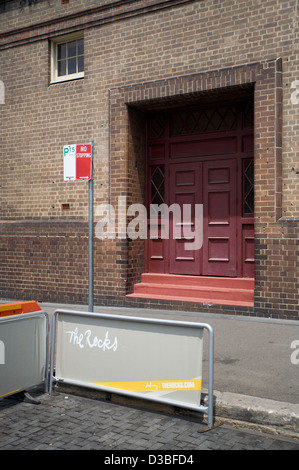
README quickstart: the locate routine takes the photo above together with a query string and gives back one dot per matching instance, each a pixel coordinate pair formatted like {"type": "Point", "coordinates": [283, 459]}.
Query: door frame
{"type": "Point", "coordinates": [164, 150]}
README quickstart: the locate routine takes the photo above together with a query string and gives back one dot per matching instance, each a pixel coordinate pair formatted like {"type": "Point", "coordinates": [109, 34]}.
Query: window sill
{"type": "Point", "coordinates": [67, 79]}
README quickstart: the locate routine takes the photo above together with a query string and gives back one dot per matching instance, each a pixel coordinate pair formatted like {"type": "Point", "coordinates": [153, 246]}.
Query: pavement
{"type": "Point", "coordinates": [120, 431]}
{"type": "Point", "coordinates": [256, 395]}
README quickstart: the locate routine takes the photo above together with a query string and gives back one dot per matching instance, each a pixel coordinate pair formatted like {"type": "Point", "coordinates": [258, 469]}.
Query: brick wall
{"type": "Point", "coordinates": [143, 54]}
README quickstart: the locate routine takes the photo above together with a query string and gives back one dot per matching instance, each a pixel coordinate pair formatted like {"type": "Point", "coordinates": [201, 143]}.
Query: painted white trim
{"type": "Point", "coordinates": [54, 43]}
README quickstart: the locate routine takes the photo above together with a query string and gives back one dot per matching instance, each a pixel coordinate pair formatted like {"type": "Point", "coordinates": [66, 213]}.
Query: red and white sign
{"type": "Point", "coordinates": [77, 162]}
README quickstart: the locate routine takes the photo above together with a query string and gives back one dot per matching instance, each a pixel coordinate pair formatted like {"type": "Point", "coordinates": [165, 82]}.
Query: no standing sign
{"type": "Point", "coordinates": [77, 159]}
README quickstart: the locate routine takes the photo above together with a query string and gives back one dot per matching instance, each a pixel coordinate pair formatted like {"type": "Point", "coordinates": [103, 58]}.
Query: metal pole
{"type": "Point", "coordinates": [90, 235]}
{"type": "Point", "coordinates": [211, 377]}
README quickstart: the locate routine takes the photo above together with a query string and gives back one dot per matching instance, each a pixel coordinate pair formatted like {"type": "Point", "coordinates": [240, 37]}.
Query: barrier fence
{"type": "Point", "coordinates": [24, 341]}
{"type": "Point", "coordinates": [154, 359]}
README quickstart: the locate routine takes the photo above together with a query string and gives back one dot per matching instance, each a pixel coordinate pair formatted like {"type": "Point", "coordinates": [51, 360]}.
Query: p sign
{"type": "Point", "coordinates": [77, 159]}
{"type": "Point", "coordinates": [69, 161]}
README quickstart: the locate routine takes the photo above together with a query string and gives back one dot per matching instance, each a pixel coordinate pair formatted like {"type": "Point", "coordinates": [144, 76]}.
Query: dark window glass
{"type": "Point", "coordinates": [71, 66]}
{"type": "Point", "coordinates": [61, 53]}
{"type": "Point", "coordinates": [72, 49]}
{"type": "Point", "coordinates": [61, 68]}
{"type": "Point", "coordinates": [81, 64]}
{"type": "Point", "coordinates": [70, 58]}
{"type": "Point", "coordinates": [157, 185]}
{"type": "Point", "coordinates": [80, 46]}
{"type": "Point", "coordinates": [248, 195]}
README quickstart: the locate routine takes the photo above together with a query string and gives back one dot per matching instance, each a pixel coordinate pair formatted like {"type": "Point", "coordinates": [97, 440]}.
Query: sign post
{"type": "Point", "coordinates": [90, 235]}
{"type": "Point", "coordinates": [78, 166]}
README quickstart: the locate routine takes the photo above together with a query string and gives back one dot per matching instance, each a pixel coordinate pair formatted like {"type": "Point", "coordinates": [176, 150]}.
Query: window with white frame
{"type": "Point", "coordinates": [67, 58]}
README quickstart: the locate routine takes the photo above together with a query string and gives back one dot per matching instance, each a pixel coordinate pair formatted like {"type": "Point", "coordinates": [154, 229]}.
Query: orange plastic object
{"type": "Point", "coordinates": [7, 310]}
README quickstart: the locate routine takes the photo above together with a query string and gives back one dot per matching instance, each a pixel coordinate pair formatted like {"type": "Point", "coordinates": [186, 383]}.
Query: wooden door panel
{"type": "Point", "coordinates": [215, 146]}
{"type": "Point", "coordinates": [219, 205]}
{"type": "Point", "coordinates": [156, 255]}
{"type": "Point", "coordinates": [185, 190]}
{"type": "Point", "coordinates": [218, 249]}
{"type": "Point", "coordinates": [157, 244]}
{"type": "Point", "coordinates": [220, 211]}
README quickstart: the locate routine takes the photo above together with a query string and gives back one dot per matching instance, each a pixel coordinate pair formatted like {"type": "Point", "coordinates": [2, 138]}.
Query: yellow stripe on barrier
{"type": "Point", "coordinates": [154, 385]}
{"type": "Point", "coordinates": [10, 393]}
{"type": "Point", "coordinates": [9, 307]}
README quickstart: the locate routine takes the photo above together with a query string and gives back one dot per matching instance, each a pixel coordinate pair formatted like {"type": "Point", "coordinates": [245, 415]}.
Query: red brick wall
{"type": "Point", "coordinates": [138, 55]}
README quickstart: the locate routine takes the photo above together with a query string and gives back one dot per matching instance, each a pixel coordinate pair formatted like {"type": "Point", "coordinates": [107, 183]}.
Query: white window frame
{"type": "Point", "coordinates": [55, 42]}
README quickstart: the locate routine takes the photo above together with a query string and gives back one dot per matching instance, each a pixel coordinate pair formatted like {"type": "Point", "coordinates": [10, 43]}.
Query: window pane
{"type": "Point", "coordinates": [61, 51]}
{"type": "Point", "coordinates": [81, 64]}
{"type": "Point", "coordinates": [71, 49]}
{"type": "Point", "coordinates": [70, 57]}
{"type": "Point", "coordinates": [61, 67]}
{"type": "Point", "coordinates": [71, 66]}
{"type": "Point", "coordinates": [80, 46]}
{"type": "Point", "coordinates": [157, 185]}
{"type": "Point", "coordinates": [157, 126]}
{"type": "Point", "coordinates": [248, 191]}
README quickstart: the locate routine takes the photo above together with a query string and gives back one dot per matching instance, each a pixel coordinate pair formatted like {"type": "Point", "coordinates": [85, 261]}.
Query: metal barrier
{"type": "Point", "coordinates": [24, 341]}
{"type": "Point", "coordinates": [154, 359]}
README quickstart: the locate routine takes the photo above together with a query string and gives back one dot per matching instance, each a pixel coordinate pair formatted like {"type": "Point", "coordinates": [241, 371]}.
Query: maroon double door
{"type": "Point", "coordinates": [201, 158]}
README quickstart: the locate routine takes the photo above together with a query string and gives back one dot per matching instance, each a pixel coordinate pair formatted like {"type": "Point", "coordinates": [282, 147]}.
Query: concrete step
{"type": "Point", "coordinates": [227, 291]}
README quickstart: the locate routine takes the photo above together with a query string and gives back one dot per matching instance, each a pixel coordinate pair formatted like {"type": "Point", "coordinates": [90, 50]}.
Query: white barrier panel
{"type": "Point", "coordinates": [23, 352]}
{"type": "Point", "coordinates": [159, 360]}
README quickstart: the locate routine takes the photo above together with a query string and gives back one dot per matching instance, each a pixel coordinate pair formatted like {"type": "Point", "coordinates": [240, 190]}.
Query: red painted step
{"type": "Point", "coordinates": [211, 290]}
